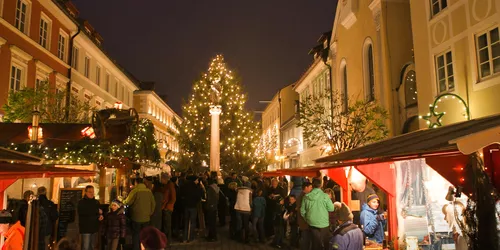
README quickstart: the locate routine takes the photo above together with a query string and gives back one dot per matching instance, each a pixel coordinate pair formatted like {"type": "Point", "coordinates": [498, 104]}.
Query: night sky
{"type": "Point", "coordinates": [171, 42]}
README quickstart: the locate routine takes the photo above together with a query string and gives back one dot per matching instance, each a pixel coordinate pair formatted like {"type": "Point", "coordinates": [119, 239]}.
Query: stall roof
{"type": "Point", "coordinates": [8, 155]}
{"type": "Point", "coordinates": [19, 171]}
{"type": "Point", "coordinates": [422, 143]}
{"type": "Point", "coordinates": [413, 145]}
{"type": "Point", "coordinates": [54, 134]}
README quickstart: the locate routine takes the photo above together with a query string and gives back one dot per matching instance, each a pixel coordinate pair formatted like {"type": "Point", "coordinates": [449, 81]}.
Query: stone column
{"type": "Point", "coordinates": [215, 111]}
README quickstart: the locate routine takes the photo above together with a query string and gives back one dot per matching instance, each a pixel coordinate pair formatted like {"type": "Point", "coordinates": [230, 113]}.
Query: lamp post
{"type": "Point", "coordinates": [34, 126]}
{"type": "Point", "coordinates": [215, 111]}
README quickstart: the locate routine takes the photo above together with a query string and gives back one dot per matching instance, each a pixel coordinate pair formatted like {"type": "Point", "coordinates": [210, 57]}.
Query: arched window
{"type": "Point", "coordinates": [343, 87]}
{"type": "Point", "coordinates": [410, 88]}
{"type": "Point", "coordinates": [369, 71]}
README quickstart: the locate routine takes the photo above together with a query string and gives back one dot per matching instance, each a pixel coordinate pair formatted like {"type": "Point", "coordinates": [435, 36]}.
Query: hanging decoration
{"type": "Point", "coordinates": [433, 118]}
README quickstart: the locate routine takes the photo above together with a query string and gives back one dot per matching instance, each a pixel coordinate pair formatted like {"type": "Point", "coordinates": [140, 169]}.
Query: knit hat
{"type": "Point", "coordinates": [371, 197]}
{"type": "Point", "coordinates": [5, 217]}
{"type": "Point", "coordinates": [152, 238]}
{"type": "Point", "coordinates": [343, 213]}
{"type": "Point", "coordinates": [117, 202]}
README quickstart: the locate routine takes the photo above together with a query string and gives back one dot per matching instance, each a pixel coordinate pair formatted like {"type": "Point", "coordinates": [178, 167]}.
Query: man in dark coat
{"type": "Point", "coordinates": [191, 194]}
{"type": "Point", "coordinates": [212, 204]}
{"type": "Point", "coordinates": [50, 210]}
{"type": "Point", "coordinates": [89, 216]}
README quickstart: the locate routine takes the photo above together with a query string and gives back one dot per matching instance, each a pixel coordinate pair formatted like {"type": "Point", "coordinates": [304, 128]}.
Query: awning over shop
{"type": "Point", "coordinates": [419, 144]}
{"type": "Point", "coordinates": [53, 134]}
{"type": "Point", "coordinates": [20, 171]}
{"type": "Point", "coordinates": [8, 155]}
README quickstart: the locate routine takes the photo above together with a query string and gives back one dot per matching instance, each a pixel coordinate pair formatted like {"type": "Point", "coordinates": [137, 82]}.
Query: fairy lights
{"type": "Point", "coordinates": [433, 118]}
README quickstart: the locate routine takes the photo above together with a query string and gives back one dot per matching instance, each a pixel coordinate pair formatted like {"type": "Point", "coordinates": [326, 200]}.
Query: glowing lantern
{"type": "Point", "coordinates": [89, 132]}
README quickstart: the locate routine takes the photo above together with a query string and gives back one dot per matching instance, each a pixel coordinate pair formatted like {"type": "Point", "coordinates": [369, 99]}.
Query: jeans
{"type": "Point", "coordinates": [88, 241]}
{"type": "Point", "coordinates": [212, 224]}
{"type": "Point", "coordinates": [258, 228]}
{"type": "Point", "coordinates": [189, 223]}
{"type": "Point", "coordinates": [136, 232]}
{"type": "Point", "coordinates": [233, 224]}
{"type": "Point", "coordinates": [167, 224]}
{"type": "Point", "coordinates": [243, 225]}
{"type": "Point", "coordinates": [320, 238]}
{"type": "Point", "coordinates": [113, 244]}
{"type": "Point", "coordinates": [305, 239]}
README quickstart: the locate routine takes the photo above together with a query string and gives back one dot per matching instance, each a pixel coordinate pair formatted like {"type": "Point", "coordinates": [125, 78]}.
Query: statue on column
{"type": "Point", "coordinates": [216, 91]}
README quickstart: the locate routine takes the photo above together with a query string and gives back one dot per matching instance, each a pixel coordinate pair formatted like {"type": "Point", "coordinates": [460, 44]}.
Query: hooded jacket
{"type": "Point", "coordinates": [373, 226]}
{"type": "Point", "coordinates": [15, 237]}
{"type": "Point", "coordinates": [315, 207]}
{"type": "Point", "coordinates": [141, 202]}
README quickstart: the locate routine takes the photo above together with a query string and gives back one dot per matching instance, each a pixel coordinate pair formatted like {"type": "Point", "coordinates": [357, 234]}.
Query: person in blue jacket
{"type": "Point", "coordinates": [372, 222]}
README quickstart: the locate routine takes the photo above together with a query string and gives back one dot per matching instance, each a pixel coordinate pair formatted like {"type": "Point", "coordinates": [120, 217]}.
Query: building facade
{"type": "Point", "coordinates": [34, 38]}
{"type": "Point", "coordinates": [371, 58]}
{"type": "Point", "coordinates": [151, 106]}
{"type": "Point", "coordinates": [280, 110]}
{"type": "Point", "coordinates": [314, 82]}
{"type": "Point", "coordinates": [46, 41]}
{"type": "Point", "coordinates": [457, 54]}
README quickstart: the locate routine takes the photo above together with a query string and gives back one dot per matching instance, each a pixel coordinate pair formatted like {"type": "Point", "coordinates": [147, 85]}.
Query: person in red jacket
{"type": "Point", "coordinates": [13, 232]}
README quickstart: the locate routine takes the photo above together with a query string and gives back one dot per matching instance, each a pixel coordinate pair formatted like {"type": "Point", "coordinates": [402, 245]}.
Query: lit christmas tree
{"type": "Point", "coordinates": [239, 133]}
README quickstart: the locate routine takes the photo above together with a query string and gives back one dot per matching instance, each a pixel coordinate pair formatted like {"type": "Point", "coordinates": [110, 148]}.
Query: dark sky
{"type": "Point", "coordinates": [172, 41]}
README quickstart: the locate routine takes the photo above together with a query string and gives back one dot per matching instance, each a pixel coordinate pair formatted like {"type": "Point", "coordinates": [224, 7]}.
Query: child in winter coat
{"type": "Point", "coordinates": [115, 226]}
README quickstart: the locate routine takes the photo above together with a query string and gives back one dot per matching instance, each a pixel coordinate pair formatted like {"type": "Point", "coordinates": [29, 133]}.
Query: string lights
{"type": "Point", "coordinates": [239, 134]}
{"type": "Point", "coordinates": [433, 118]}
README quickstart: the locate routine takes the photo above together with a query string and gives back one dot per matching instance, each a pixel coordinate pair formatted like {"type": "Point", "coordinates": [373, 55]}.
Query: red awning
{"type": "Point", "coordinates": [21, 171]}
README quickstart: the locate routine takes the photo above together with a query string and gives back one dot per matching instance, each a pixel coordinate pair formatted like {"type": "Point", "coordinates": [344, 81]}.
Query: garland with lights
{"type": "Point", "coordinates": [433, 118]}
{"type": "Point", "coordinates": [140, 148]}
{"type": "Point", "coordinates": [239, 133]}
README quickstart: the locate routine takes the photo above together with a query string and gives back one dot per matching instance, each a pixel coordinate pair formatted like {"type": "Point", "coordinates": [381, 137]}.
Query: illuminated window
{"type": "Point", "coordinates": [44, 34]}
{"type": "Point", "coordinates": [488, 52]}
{"type": "Point", "coordinates": [444, 72]}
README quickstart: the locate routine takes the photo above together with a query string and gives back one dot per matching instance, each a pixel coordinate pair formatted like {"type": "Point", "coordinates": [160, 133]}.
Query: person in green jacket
{"type": "Point", "coordinates": [142, 205]}
{"type": "Point", "coordinates": [315, 207]}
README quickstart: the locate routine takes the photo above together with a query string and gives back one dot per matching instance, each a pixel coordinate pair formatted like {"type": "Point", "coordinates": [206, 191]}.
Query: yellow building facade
{"type": "Point", "coordinates": [370, 54]}
{"type": "Point", "coordinates": [457, 51]}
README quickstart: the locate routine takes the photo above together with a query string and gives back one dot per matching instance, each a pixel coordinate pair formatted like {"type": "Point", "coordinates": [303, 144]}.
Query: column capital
{"type": "Point", "coordinates": [215, 109]}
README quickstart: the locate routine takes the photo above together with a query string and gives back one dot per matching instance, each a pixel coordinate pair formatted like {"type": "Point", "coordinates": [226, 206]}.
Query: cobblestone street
{"type": "Point", "coordinates": [224, 243]}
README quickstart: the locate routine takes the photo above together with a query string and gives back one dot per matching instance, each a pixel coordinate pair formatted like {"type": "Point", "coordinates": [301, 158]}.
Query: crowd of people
{"type": "Point", "coordinates": [186, 207]}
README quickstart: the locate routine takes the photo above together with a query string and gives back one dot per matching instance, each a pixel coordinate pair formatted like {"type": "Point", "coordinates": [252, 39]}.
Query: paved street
{"type": "Point", "coordinates": [224, 243]}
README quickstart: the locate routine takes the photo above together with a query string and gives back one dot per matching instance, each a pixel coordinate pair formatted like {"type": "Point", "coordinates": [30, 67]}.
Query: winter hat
{"type": "Point", "coordinates": [244, 179]}
{"type": "Point", "coordinates": [343, 213]}
{"type": "Point", "coordinates": [152, 238]}
{"type": "Point", "coordinates": [371, 197]}
{"type": "Point", "coordinates": [117, 202]}
{"type": "Point", "coordinates": [5, 217]}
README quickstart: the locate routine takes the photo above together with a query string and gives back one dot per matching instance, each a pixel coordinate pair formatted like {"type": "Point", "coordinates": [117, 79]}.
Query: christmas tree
{"type": "Point", "coordinates": [239, 133]}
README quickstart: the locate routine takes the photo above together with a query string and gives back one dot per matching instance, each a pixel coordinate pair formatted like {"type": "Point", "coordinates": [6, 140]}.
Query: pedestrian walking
{"type": "Point", "coordinates": [50, 211]}
{"type": "Point", "coordinates": [243, 209]}
{"type": "Point", "coordinates": [168, 203]}
{"type": "Point", "coordinates": [347, 236]}
{"type": "Point", "coordinates": [314, 208]}
{"type": "Point", "coordinates": [142, 205]}
{"type": "Point", "coordinates": [115, 226]}
{"type": "Point", "coordinates": [89, 216]}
